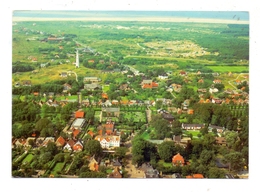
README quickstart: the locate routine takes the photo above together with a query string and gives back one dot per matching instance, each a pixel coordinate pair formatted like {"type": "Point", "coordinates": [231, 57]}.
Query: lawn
{"type": "Point", "coordinates": [165, 164]}
{"type": "Point", "coordinates": [58, 167]}
{"type": "Point", "coordinates": [28, 158]}
{"type": "Point", "coordinates": [194, 133]}
{"type": "Point", "coordinates": [136, 116]}
{"type": "Point", "coordinates": [145, 135]}
{"type": "Point", "coordinates": [226, 69]}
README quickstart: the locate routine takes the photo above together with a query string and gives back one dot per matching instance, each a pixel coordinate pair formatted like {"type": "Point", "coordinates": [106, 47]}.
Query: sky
{"type": "Point", "coordinates": [40, 185]}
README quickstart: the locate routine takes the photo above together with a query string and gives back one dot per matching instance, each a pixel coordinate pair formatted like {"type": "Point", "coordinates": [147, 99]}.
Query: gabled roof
{"type": "Point", "coordinates": [71, 142]}
{"type": "Point", "coordinates": [78, 146]}
{"type": "Point", "coordinates": [60, 141]}
{"type": "Point", "coordinates": [75, 132]}
{"type": "Point", "coordinates": [178, 159]}
{"type": "Point", "coordinates": [79, 114]}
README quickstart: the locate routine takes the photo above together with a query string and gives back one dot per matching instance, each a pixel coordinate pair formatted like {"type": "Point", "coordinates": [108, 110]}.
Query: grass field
{"type": "Point", "coordinates": [226, 69]}
{"type": "Point", "coordinates": [58, 167]}
{"type": "Point", "coordinates": [28, 158]}
{"type": "Point", "coordinates": [136, 116]}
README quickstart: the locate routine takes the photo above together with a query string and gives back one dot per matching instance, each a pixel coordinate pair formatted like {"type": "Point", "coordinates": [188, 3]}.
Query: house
{"type": "Point", "coordinates": [20, 142]}
{"type": "Point", "coordinates": [108, 141]}
{"type": "Point", "coordinates": [168, 117]}
{"type": "Point", "coordinates": [221, 141]}
{"type": "Point", "coordinates": [78, 146]}
{"type": "Point", "coordinates": [60, 142]}
{"type": "Point", "coordinates": [107, 128]}
{"type": "Point", "coordinates": [201, 81]}
{"type": "Point", "coordinates": [216, 100]}
{"type": "Point", "coordinates": [63, 74]}
{"type": "Point", "coordinates": [115, 102]}
{"type": "Point", "coordinates": [39, 141]}
{"type": "Point", "coordinates": [149, 84]}
{"type": "Point", "coordinates": [79, 114]}
{"type": "Point", "coordinates": [116, 163]}
{"type": "Point", "coordinates": [163, 76]}
{"type": "Point", "coordinates": [218, 128]}
{"type": "Point", "coordinates": [116, 173]}
{"type": "Point", "coordinates": [124, 87]}
{"type": "Point", "coordinates": [149, 171]}
{"type": "Point", "coordinates": [190, 111]}
{"type": "Point", "coordinates": [92, 87]}
{"type": "Point", "coordinates": [48, 140]}
{"type": "Point", "coordinates": [182, 73]}
{"type": "Point", "coordinates": [69, 145]}
{"type": "Point", "coordinates": [75, 133]}
{"type": "Point", "coordinates": [195, 176]}
{"type": "Point", "coordinates": [91, 79]}
{"type": "Point", "coordinates": [93, 164]}
{"type": "Point", "coordinates": [91, 61]}
{"type": "Point", "coordinates": [202, 90]}
{"type": "Point", "coordinates": [104, 96]}
{"type": "Point", "coordinates": [213, 90]}
{"type": "Point", "coordinates": [43, 65]}
{"type": "Point", "coordinates": [217, 81]}
{"type": "Point", "coordinates": [178, 160]}
{"type": "Point", "coordinates": [85, 102]}
{"type": "Point", "coordinates": [27, 83]}
{"type": "Point", "coordinates": [176, 139]}
{"type": "Point", "coordinates": [237, 82]}
{"type": "Point", "coordinates": [28, 141]}
{"type": "Point", "coordinates": [91, 133]}
{"type": "Point", "coordinates": [66, 87]}
{"type": "Point", "coordinates": [111, 111]}
{"type": "Point", "coordinates": [192, 126]}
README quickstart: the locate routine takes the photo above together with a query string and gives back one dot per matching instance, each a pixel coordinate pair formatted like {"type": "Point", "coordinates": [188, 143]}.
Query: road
{"type": "Point", "coordinates": [133, 172]}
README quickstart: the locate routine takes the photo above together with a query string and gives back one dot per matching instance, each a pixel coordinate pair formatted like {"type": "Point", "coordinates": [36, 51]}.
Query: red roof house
{"type": "Point", "coordinates": [60, 142]}
{"type": "Point", "coordinates": [195, 176]}
{"type": "Point", "coordinates": [79, 114]}
{"type": "Point", "coordinates": [178, 160]}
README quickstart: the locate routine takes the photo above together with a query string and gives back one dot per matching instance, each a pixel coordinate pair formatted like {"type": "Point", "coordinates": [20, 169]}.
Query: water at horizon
{"type": "Point", "coordinates": [226, 15]}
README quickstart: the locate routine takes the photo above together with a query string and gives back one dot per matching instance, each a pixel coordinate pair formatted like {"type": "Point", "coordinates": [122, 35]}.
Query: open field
{"type": "Point", "coordinates": [233, 69]}
{"type": "Point", "coordinates": [28, 158]}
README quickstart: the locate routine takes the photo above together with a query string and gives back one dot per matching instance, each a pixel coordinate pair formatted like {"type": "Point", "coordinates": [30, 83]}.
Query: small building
{"type": "Point", "coordinates": [60, 142]}
{"type": "Point", "coordinates": [27, 83]}
{"type": "Point", "coordinates": [218, 128]}
{"type": "Point", "coordinates": [92, 87]}
{"type": "Point", "coordinates": [192, 126]}
{"type": "Point", "coordinates": [195, 176]}
{"type": "Point", "coordinates": [178, 160]}
{"type": "Point", "coordinates": [91, 79]}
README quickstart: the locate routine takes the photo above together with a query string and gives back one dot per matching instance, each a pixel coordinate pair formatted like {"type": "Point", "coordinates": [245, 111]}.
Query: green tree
{"type": "Point", "coordinates": [166, 150]}
{"type": "Point", "coordinates": [120, 152]}
{"type": "Point", "coordinates": [93, 147]}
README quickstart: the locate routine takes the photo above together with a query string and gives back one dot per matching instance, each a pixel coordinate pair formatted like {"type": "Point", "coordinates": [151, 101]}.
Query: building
{"type": "Point", "coordinates": [92, 87]}
{"type": "Point", "coordinates": [192, 126]}
{"type": "Point", "coordinates": [149, 84]}
{"type": "Point", "coordinates": [107, 142]}
{"type": "Point", "coordinates": [91, 79]}
{"type": "Point", "coordinates": [178, 160]}
{"type": "Point", "coordinates": [78, 123]}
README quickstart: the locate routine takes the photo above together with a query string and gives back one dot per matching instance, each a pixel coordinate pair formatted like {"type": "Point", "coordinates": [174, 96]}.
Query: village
{"type": "Point", "coordinates": [85, 110]}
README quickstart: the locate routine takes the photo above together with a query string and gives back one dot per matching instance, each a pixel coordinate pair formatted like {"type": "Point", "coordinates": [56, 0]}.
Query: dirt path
{"type": "Point", "coordinates": [133, 172]}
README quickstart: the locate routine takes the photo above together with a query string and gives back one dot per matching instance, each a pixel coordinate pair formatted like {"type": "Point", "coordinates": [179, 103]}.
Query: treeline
{"type": "Point", "coordinates": [22, 68]}
{"type": "Point", "coordinates": [55, 86]}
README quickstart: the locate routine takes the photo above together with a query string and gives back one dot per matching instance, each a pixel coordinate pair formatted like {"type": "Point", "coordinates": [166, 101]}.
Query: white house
{"type": "Point", "coordinates": [108, 141]}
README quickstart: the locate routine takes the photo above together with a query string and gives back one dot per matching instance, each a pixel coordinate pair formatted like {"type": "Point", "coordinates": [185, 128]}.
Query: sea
{"type": "Point", "coordinates": [224, 15]}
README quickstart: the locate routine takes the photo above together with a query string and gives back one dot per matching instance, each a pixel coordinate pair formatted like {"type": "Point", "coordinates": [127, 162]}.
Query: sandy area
{"type": "Point", "coordinates": [160, 19]}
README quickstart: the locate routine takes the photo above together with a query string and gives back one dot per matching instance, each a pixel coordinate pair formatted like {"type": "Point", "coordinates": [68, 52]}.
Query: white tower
{"type": "Point", "coordinates": [77, 59]}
